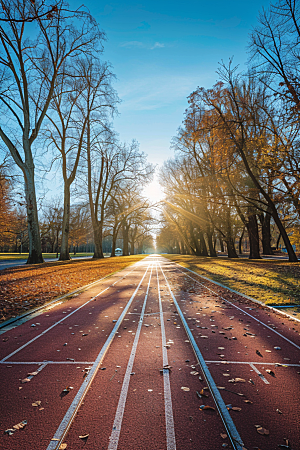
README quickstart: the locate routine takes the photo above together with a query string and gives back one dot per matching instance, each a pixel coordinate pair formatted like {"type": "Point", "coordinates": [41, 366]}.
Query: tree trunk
{"type": "Point", "coordinates": [125, 231]}
{"type": "Point", "coordinates": [203, 247]}
{"type": "Point", "coordinates": [212, 250]}
{"type": "Point", "coordinates": [252, 229]}
{"type": "Point", "coordinates": [132, 247]}
{"type": "Point", "coordinates": [221, 244]}
{"type": "Point", "coordinates": [231, 251]}
{"type": "Point", "coordinates": [98, 252]}
{"type": "Point", "coordinates": [114, 242]}
{"type": "Point", "coordinates": [35, 249]}
{"type": "Point", "coordinates": [240, 242]}
{"type": "Point", "coordinates": [278, 240]}
{"type": "Point", "coordinates": [265, 220]}
{"type": "Point", "coordinates": [64, 251]}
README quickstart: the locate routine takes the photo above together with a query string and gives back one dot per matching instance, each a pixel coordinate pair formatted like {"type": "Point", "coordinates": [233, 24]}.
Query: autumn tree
{"type": "Point", "coordinates": [237, 107]}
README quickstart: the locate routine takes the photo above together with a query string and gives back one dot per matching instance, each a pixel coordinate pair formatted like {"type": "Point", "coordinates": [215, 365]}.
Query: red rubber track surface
{"type": "Point", "coordinates": [227, 337]}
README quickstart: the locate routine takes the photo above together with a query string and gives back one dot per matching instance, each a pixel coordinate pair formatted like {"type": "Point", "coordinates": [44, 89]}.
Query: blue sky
{"type": "Point", "coordinates": [160, 52]}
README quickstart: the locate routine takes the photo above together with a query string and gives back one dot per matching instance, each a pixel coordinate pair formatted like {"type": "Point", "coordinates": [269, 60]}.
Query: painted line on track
{"type": "Point", "coordinates": [61, 320]}
{"type": "Point", "coordinates": [170, 431]}
{"type": "Point", "coordinates": [237, 307]}
{"type": "Point", "coordinates": [253, 362]}
{"type": "Point", "coordinates": [117, 425]}
{"type": "Point", "coordinates": [66, 422]}
{"type": "Point", "coordinates": [259, 373]}
{"type": "Point", "coordinates": [230, 427]}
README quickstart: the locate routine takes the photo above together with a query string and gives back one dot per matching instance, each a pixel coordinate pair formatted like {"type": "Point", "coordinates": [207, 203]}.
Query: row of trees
{"type": "Point", "coordinates": [56, 102]}
{"type": "Point", "coordinates": [237, 160]}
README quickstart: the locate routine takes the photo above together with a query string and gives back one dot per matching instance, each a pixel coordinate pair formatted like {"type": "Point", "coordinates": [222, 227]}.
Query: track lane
{"type": "Point", "coordinates": [251, 333]}
{"type": "Point", "coordinates": [214, 324]}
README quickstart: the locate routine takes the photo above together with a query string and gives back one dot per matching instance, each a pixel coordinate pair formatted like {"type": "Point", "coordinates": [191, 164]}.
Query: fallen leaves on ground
{"type": "Point", "coordinates": [207, 407]}
{"type": "Point", "coordinates": [261, 430]}
{"type": "Point", "coordinates": [26, 287]}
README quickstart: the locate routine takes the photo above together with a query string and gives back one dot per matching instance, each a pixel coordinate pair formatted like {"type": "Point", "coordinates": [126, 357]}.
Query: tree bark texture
{"type": "Point", "coordinates": [35, 249]}
{"type": "Point", "coordinates": [64, 251]}
{"type": "Point", "coordinates": [252, 229]}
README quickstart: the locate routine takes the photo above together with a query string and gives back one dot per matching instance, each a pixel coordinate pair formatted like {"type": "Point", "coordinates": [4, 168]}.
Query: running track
{"type": "Point", "coordinates": [133, 362]}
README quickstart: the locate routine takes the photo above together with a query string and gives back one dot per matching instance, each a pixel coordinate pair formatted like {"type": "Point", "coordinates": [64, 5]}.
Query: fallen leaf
{"type": "Point", "coordinates": [223, 435]}
{"type": "Point", "coordinates": [84, 436]}
{"type": "Point", "coordinates": [247, 401]}
{"type": "Point", "coordinates": [185, 388]}
{"type": "Point", "coordinates": [206, 407]}
{"type": "Point", "coordinates": [278, 411]}
{"type": "Point", "coordinates": [203, 394]}
{"type": "Point", "coordinates": [25, 380]}
{"type": "Point", "coordinates": [262, 431]}
{"type": "Point", "coordinates": [20, 425]}
{"type": "Point", "coordinates": [36, 403]}
{"type": "Point", "coordinates": [194, 372]}
{"type": "Point", "coordinates": [270, 372]}
{"type": "Point", "coordinates": [62, 446]}
{"type": "Point", "coordinates": [32, 374]}
{"type": "Point", "coordinates": [236, 408]}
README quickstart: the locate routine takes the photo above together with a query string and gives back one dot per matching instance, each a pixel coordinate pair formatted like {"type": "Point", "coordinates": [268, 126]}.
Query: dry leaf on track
{"type": "Point", "coordinates": [207, 407]}
{"type": "Point", "coordinates": [84, 436]}
{"type": "Point", "coordinates": [262, 431]}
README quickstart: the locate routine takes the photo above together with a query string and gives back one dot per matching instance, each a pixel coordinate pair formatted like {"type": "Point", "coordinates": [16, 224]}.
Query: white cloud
{"type": "Point", "coordinates": [154, 92]}
{"type": "Point", "coordinates": [139, 44]}
{"type": "Point", "coordinates": [157, 45]}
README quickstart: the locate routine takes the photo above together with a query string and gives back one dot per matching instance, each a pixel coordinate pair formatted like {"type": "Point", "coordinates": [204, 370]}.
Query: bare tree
{"type": "Point", "coordinates": [275, 45]}
{"type": "Point", "coordinates": [30, 68]}
{"type": "Point", "coordinates": [84, 90]}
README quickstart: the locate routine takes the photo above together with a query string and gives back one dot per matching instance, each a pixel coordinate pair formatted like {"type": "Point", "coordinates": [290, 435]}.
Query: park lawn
{"type": "Point", "coordinates": [25, 287]}
{"type": "Point", "coordinates": [45, 255]}
{"type": "Point", "coordinates": [271, 282]}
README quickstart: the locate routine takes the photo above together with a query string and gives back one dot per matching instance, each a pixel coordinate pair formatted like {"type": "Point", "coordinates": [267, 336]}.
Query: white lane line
{"type": "Point", "coordinates": [253, 362]}
{"type": "Point", "coordinates": [259, 373]}
{"type": "Point", "coordinates": [116, 430]}
{"type": "Point", "coordinates": [232, 304]}
{"type": "Point", "coordinates": [61, 320]}
{"type": "Point", "coordinates": [230, 427]}
{"type": "Point", "coordinates": [170, 431]}
{"type": "Point", "coordinates": [66, 422]}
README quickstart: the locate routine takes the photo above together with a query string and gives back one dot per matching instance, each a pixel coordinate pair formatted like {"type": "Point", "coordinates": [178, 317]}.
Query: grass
{"type": "Point", "coordinates": [45, 255]}
{"type": "Point", "coordinates": [271, 282]}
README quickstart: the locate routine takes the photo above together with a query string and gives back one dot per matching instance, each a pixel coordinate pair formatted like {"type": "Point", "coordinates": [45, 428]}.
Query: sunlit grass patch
{"type": "Point", "coordinates": [272, 282]}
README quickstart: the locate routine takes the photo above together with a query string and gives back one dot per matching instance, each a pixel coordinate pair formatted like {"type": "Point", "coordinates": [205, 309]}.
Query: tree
{"type": "Point", "coordinates": [30, 68]}
{"type": "Point", "coordinates": [84, 90]}
{"type": "Point", "coordinates": [112, 170]}
{"type": "Point", "coordinates": [237, 108]}
{"type": "Point", "coordinates": [274, 46]}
